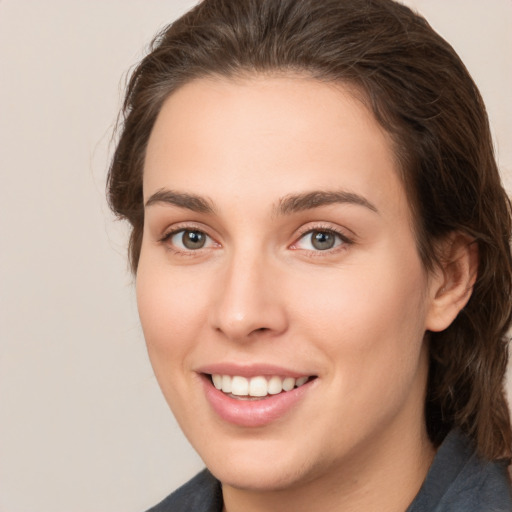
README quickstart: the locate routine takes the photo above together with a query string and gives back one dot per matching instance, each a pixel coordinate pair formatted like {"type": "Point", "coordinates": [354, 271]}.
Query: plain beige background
{"type": "Point", "coordinates": [83, 427]}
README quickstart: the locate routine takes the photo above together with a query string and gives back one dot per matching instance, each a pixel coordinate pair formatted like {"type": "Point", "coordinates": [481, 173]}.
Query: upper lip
{"type": "Point", "coordinates": [251, 370]}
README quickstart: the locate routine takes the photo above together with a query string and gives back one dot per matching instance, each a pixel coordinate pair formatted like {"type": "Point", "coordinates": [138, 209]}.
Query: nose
{"type": "Point", "coordinates": [249, 300]}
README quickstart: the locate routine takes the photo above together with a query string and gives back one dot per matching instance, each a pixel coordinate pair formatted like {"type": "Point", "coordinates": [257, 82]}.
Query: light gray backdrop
{"type": "Point", "coordinates": [83, 427]}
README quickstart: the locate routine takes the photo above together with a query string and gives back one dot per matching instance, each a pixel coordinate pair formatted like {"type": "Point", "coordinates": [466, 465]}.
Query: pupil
{"type": "Point", "coordinates": [193, 239]}
{"type": "Point", "coordinates": [322, 240]}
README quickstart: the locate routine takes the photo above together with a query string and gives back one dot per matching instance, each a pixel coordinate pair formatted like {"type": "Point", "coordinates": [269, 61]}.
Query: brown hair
{"type": "Point", "coordinates": [421, 93]}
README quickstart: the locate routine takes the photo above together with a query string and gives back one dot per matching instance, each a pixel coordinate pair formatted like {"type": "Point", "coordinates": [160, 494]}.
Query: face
{"type": "Point", "coordinates": [279, 287]}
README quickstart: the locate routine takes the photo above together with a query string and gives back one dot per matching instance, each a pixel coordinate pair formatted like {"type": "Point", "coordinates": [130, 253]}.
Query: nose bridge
{"type": "Point", "coordinates": [248, 298]}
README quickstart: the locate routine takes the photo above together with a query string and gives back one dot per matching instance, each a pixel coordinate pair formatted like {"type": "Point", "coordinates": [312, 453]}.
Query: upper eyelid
{"type": "Point", "coordinates": [165, 240]}
{"type": "Point", "coordinates": [170, 234]}
{"type": "Point", "coordinates": [343, 232]}
{"type": "Point", "coordinates": [184, 226]}
{"type": "Point", "coordinates": [344, 239]}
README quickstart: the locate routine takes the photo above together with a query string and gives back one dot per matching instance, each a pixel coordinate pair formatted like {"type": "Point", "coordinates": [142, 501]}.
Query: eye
{"type": "Point", "coordinates": [319, 240]}
{"type": "Point", "coordinates": [188, 239]}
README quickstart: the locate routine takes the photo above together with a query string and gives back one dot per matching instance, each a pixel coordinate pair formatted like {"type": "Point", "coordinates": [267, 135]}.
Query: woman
{"type": "Point", "coordinates": [320, 240]}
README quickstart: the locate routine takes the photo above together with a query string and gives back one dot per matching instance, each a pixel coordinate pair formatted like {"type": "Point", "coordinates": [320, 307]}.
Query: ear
{"type": "Point", "coordinates": [451, 284]}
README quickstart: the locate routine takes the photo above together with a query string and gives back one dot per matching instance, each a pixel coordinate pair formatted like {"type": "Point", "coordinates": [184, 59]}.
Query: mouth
{"type": "Point", "coordinates": [257, 387]}
{"type": "Point", "coordinates": [257, 395]}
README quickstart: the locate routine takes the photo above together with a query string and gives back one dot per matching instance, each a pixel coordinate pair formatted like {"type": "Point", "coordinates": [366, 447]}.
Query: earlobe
{"type": "Point", "coordinates": [453, 281]}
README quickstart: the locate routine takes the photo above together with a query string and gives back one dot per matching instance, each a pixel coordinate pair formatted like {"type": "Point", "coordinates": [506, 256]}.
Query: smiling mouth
{"type": "Point", "coordinates": [254, 388]}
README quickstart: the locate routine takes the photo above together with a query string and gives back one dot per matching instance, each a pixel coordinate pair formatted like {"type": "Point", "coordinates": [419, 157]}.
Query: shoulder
{"type": "Point", "coordinates": [200, 494]}
{"type": "Point", "coordinates": [459, 480]}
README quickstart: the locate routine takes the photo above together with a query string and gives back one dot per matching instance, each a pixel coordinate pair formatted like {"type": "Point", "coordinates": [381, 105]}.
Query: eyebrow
{"type": "Point", "coordinates": [182, 200]}
{"type": "Point", "coordinates": [301, 202]}
{"type": "Point", "coordinates": [287, 205]}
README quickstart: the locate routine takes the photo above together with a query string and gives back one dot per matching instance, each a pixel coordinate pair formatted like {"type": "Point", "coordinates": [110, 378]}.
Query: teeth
{"type": "Point", "coordinates": [217, 381]}
{"type": "Point", "coordinates": [226, 384]}
{"type": "Point", "coordinates": [300, 381]}
{"type": "Point", "coordinates": [288, 383]}
{"type": "Point", "coordinates": [256, 386]}
{"type": "Point", "coordinates": [239, 386]}
{"type": "Point", "coordinates": [275, 386]}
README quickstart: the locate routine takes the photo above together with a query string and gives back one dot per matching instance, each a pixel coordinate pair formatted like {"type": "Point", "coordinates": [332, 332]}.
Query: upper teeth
{"type": "Point", "coordinates": [256, 386]}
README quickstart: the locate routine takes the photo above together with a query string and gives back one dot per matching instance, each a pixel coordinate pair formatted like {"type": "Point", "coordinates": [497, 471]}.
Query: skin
{"type": "Point", "coordinates": [259, 292]}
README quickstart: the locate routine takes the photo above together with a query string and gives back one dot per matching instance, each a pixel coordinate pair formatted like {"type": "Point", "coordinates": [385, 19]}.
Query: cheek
{"type": "Point", "coordinates": [370, 320]}
{"type": "Point", "coordinates": [365, 300]}
{"type": "Point", "coordinates": [170, 310]}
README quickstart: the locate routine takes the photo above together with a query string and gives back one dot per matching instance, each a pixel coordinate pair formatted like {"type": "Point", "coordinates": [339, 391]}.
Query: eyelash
{"type": "Point", "coordinates": [167, 237]}
{"type": "Point", "coordinates": [341, 243]}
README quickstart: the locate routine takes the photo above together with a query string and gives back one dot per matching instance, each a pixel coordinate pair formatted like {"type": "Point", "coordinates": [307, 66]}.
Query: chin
{"type": "Point", "coordinates": [258, 478]}
{"type": "Point", "coordinates": [261, 466]}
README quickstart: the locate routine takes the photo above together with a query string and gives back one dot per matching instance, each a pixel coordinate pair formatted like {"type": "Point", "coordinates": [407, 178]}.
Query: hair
{"type": "Point", "coordinates": [421, 93]}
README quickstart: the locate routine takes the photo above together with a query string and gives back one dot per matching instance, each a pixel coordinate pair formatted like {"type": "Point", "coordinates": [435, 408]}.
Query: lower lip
{"type": "Point", "coordinates": [253, 413]}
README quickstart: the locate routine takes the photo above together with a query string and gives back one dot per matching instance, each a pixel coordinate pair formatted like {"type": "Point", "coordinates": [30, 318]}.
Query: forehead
{"type": "Point", "coordinates": [293, 134]}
